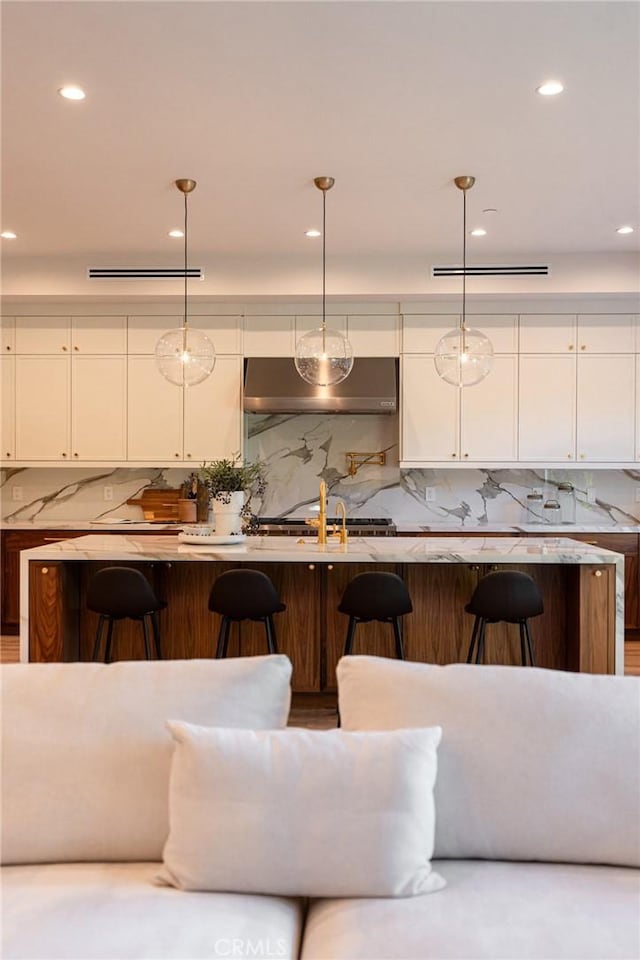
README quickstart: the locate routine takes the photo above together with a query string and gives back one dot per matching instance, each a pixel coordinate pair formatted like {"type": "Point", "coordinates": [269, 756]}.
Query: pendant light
{"type": "Point", "coordinates": [464, 356]}
{"type": "Point", "coordinates": [323, 356]}
{"type": "Point", "coordinates": [185, 356]}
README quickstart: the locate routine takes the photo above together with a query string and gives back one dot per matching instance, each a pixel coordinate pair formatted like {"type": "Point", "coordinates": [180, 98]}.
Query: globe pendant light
{"type": "Point", "coordinates": [185, 356]}
{"type": "Point", "coordinates": [323, 356]}
{"type": "Point", "coordinates": [464, 356]}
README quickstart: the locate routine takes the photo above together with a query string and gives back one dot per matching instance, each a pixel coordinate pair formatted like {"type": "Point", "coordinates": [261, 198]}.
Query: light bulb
{"type": "Point", "coordinates": [463, 360]}
{"type": "Point", "coordinates": [324, 357]}
{"type": "Point", "coordinates": [185, 357]}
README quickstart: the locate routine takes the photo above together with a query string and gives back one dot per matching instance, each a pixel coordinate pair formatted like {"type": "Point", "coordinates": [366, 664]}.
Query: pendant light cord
{"type": "Point", "coordinates": [324, 271]}
{"type": "Point", "coordinates": [464, 271]}
{"type": "Point", "coordinates": [186, 319]}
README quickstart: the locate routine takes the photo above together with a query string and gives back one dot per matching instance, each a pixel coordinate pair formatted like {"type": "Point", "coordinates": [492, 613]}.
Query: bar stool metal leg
{"type": "Point", "coordinates": [474, 637]}
{"type": "Point", "coordinates": [220, 644]}
{"type": "Point", "coordinates": [481, 632]}
{"type": "Point", "coordinates": [155, 626]}
{"type": "Point", "coordinates": [523, 652]}
{"type": "Point", "coordinates": [145, 634]}
{"type": "Point", "coordinates": [107, 649]}
{"type": "Point", "coordinates": [351, 629]}
{"type": "Point", "coordinates": [98, 640]}
{"type": "Point", "coordinates": [272, 645]}
{"type": "Point", "coordinates": [397, 633]}
{"type": "Point", "coordinates": [529, 644]}
{"type": "Point", "coordinates": [227, 632]}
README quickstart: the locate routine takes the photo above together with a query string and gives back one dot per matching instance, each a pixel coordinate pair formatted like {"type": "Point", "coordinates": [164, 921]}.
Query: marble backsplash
{"type": "Point", "coordinates": [299, 450]}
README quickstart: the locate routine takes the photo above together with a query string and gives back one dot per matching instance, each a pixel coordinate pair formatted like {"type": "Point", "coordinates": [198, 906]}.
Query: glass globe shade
{"type": "Point", "coordinates": [463, 364]}
{"type": "Point", "coordinates": [185, 359]}
{"type": "Point", "coordinates": [324, 358]}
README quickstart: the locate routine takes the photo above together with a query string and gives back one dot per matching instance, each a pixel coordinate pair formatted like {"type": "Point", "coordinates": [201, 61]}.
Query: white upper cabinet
{"type": "Point", "coordinates": [224, 331]}
{"type": "Point", "coordinates": [7, 413]}
{"type": "Point", "coordinates": [43, 335]}
{"type": "Point", "coordinates": [374, 335]}
{"type": "Point", "coordinates": [489, 423]}
{"type": "Point", "coordinates": [96, 335]}
{"type": "Point", "coordinates": [502, 330]}
{"type": "Point", "coordinates": [269, 336]}
{"type": "Point", "coordinates": [430, 413]}
{"type": "Point", "coordinates": [547, 332]}
{"type": "Point", "coordinates": [7, 335]}
{"type": "Point", "coordinates": [143, 333]}
{"type": "Point", "coordinates": [637, 456]}
{"type": "Point", "coordinates": [547, 408]}
{"type": "Point", "coordinates": [606, 333]}
{"type": "Point", "coordinates": [421, 331]}
{"type": "Point", "coordinates": [213, 413]}
{"type": "Point", "coordinates": [606, 408]}
{"type": "Point", "coordinates": [43, 408]}
{"type": "Point", "coordinates": [305, 323]}
{"type": "Point", "coordinates": [98, 408]}
{"type": "Point", "coordinates": [154, 423]}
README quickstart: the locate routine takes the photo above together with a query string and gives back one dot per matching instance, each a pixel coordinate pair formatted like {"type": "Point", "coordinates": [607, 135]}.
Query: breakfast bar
{"type": "Point", "coordinates": [582, 587]}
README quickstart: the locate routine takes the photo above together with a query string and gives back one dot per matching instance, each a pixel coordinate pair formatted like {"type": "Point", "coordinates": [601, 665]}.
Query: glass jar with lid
{"type": "Point", "coordinates": [533, 507]}
{"type": "Point", "coordinates": [552, 511]}
{"type": "Point", "coordinates": [567, 501]}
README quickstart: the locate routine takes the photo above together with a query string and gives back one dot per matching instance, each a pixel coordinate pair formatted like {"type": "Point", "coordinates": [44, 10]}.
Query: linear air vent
{"type": "Point", "coordinates": [503, 270]}
{"type": "Point", "coordinates": [143, 273]}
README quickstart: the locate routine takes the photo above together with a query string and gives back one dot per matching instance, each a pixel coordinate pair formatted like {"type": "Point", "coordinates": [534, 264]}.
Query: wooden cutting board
{"type": "Point", "coordinates": [158, 506]}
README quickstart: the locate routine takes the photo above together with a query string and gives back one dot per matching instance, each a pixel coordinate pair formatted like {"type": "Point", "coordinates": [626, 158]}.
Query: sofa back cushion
{"type": "Point", "coordinates": [86, 752]}
{"type": "Point", "coordinates": [533, 765]}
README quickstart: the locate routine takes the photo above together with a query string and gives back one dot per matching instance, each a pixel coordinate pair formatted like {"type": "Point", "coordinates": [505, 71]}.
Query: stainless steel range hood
{"type": "Point", "coordinates": [273, 385]}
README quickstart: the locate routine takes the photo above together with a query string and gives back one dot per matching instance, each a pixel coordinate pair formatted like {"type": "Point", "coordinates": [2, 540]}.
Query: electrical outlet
{"type": "Point", "coordinates": [591, 494]}
{"type": "Point", "coordinates": [17, 493]}
{"type": "Point", "coordinates": [107, 493]}
{"type": "Point", "coordinates": [429, 494]}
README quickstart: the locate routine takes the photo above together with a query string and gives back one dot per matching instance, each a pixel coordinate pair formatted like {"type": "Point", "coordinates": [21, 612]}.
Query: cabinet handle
{"type": "Point", "coordinates": [65, 349]}
{"type": "Point", "coordinates": [330, 566]}
{"type": "Point", "coordinates": [188, 456]}
{"type": "Point", "coordinates": [53, 539]}
{"type": "Point", "coordinates": [466, 454]}
{"type": "Point", "coordinates": [597, 573]}
{"type": "Point", "coordinates": [569, 456]}
{"type": "Point", "coordinates": [454, 454]}
{"type": "Point", "coordinates": [64, 454]}
{"type": "Point", "coordinates": [583, 347]}
{"type": "Point", "coordinates": [594, 543]}
{"type": "Point", "coordinates": [76, 348]}
{"type": "Point", "coordinates": [176, 454]}
{"type": "Point", "coordinates": [312, 566]}
{"type": "Point", "coordinates": [8, 455]}
{"type": "Point", "coordinates": [582, 456]}
{"type": "Point", "coordinates": [45, 570]}
{"type": "Point", "coordinates": [75, 454]}
{"type": "Point", "coordinates": [474, 566]}
{"type": "Point", "coordinates": [570, 346]}
{"type": "Point", "coordinates": [8, 347]}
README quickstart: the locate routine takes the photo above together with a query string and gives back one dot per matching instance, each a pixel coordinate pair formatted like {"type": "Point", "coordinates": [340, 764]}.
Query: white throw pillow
{"type": "Point", "coordinates": [301, 812]}
{"type": "Point", "coordinates": [534, 764]}
{"type": "Point", "coordinates": [86, 753]}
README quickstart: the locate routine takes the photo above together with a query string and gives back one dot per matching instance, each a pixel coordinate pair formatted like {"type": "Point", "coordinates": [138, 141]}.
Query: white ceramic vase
{"type": "Point", "coordinates": [225, 511]}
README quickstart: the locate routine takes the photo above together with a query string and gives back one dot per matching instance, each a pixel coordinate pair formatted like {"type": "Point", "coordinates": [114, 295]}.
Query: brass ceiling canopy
{"type": "Point", "coordinates": [324, 183]}
{"type": "Point", "coordinates": [185, 186]}
{"type": "Point", "coordinates": [464, 183]}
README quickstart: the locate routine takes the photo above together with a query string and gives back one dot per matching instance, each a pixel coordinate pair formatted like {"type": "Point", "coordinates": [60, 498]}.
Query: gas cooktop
{"type": "Point", "coordinates": [360, 526]}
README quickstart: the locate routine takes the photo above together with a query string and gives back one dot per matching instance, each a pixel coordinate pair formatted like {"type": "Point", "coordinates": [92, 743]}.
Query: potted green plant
{"type": "Point", "coordinates": [231, 483]}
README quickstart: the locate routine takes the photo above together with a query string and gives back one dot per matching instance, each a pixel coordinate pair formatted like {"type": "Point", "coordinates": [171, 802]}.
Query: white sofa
{"type": "Point", "coordinates": [535, 768]}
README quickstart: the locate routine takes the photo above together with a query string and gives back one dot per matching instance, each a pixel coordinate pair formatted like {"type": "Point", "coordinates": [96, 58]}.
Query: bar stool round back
{"type": "Point", "coordinates": [245, 595]}
{"type": "Point", "coordinates": [123, 593]}
{"type": "Point", "coordinates": [505, 596]}
{"type": "Point", "coordinates": [376, 596]}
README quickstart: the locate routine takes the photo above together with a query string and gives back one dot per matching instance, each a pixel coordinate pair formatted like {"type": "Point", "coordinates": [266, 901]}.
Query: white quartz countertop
{"type": "Point", "coordinates": [542, 529]}
{"type": "Point", "coordinates": [107, 525]}
{"type": "Point", "coordinates": [358, 550]}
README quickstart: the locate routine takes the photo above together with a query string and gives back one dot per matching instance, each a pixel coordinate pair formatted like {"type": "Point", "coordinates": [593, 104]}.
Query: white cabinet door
{"type": "Point", "coordinates": [224, 331]}
{"type": "Point", "coordinates": [374, 335]}
{"type": "Point", "coordinates": [8, 412]}
{"type": "Point", "coordinates": [99, 408]}
{"type": "Point", "coordinates": [502, 330]}
{"type": "Point", "coordinates": [43, 335]}
{"type": "Point", "coordinates": [270, 336]}
{"type": "Point", "coordinates": [421, 331]}
{"type": "Point", "coordinates": [7, 335]}
{"type": "Point", "coordinates": [547, 332]}
{"type": "Point", "coordinates": [213, 413]}
{"type": "Point", "coordinates": [606, 408]}
{"type": "Point", "coordinates": [547, 408]}
{"type": "Point", "coordinates": [143, 333]}
{"type": "Point", "coordinates": [489, 421]}
{"type": "Point", "coordinates": [43, 406]}
{"type": "Point", "coordinates": [154, 421]}
{"type": "Point", "coordinates": [430, 413]}
{"type": "Point", "coordinates": [606, 333]}
{"type": "Point", "coordinates": [97, 335]}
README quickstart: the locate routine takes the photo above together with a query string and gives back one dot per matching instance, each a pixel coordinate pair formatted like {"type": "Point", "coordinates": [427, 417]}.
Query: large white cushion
{"type": "Point", "coordinates": [533, 765]}
{"type": "Point", "coordinates": [85, 911]}
{"type": "Point", "coordinates": [302, 812]}
{"type": "Point", "coordinates": [86, 752]}
{"type": "Point", "coordinates": [488, 911]}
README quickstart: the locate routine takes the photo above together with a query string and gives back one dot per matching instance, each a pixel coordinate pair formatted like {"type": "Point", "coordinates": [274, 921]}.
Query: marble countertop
{"type": "Point", "coordinates": [358, 550]}
{"type": "Point", "coordinates": [564, 530]}
{"type": "Point", "coordinates": [108, 524]}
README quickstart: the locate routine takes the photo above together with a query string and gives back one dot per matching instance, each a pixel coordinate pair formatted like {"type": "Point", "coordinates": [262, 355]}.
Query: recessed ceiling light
{"type": "Point", "coordinates": [479, 232]}
{"type": "Point", "coordinates": [312, 233]}
{"type": "Point", "coordinates": [176, 233]}
{"type": "Point", "coordinates": [550, 88]}
{"type": "Point", "coordinates": [624, 230]}
{"type": "Point", "coordinates": [8, 235]}
{"type": "Point", "coordinates": [72, 93]}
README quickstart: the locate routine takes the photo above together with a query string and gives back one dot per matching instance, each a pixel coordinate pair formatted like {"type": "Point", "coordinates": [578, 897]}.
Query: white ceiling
{"type": "Point", "coordinates": [255, 99]}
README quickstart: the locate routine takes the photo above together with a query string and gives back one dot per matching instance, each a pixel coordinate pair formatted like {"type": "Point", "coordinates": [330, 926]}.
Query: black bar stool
{"type": "Point", "coordinates": [122, 593]}
{"type": "Point", "coordinates": [376, 596]}
{"type": "Point", "coordinates": [506, 596]}
{"type": "Point", "coordinates": [244, 595]}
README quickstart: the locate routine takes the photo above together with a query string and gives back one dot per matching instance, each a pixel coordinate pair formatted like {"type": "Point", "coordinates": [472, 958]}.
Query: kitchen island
{"type": "Point", "coordinates": [582, 587]}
